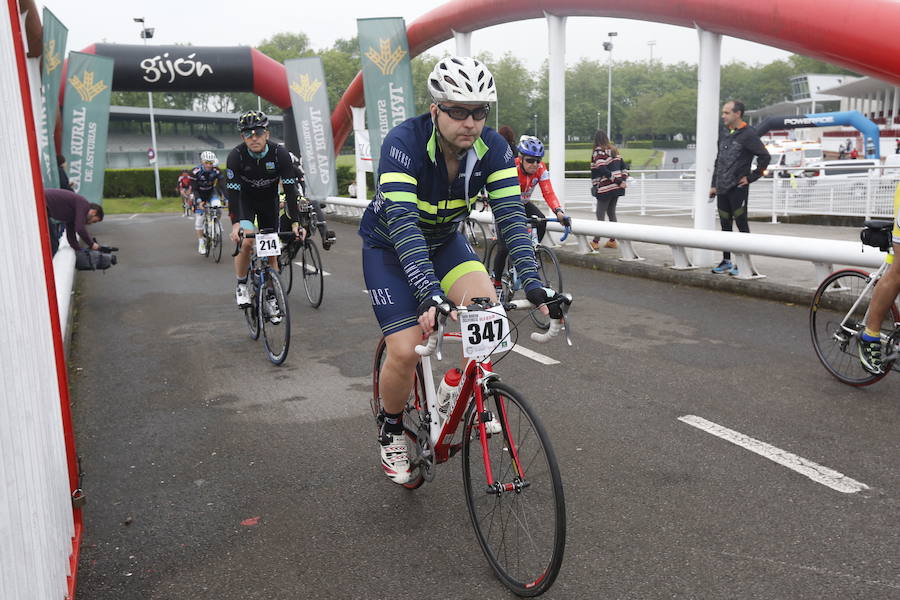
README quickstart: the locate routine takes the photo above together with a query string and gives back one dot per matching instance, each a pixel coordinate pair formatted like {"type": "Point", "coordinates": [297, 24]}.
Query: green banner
{"type": "Point", "coordinates": [86, 121]}
{"type": "Point", "coordinates": [55, 34]}
{"type": "Point", "coordinates": [312, 118]}
{"type": "Point", "coordinates": [387, 77]}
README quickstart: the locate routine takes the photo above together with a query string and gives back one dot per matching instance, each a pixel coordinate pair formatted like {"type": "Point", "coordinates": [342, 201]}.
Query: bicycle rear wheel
{"type": "Point", "coordinates": [276, 320]}
{"type": "Point", "coordinates": [313, 276]}
{"type": "Point", "coordinates": [520, 516]}
{"type": "Point", "coordinates": [551, 275]}
{"type": "Point", "coordinates": [412, 417]}
{"type": "Point", "coordinates": [836, 344]}
{"type": "Point", "coordinates": [217, 240]}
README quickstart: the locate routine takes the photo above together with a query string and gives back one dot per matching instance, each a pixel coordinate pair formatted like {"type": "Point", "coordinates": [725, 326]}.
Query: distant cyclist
{"type": "Point", "coordinates": [415, 260]}
{"type": "Point", "coordinates": [183, 187]}
{"type": "Point", "coordinates": [254, 169]}
{"type": "Point", "coordinates": [532, 172]}
{"type": "Point", "coordinates": [328, 236]}
{"type": "Point", "coordinates": [870, 354]}
{"type": "Point", "coordinates": [206, 181]}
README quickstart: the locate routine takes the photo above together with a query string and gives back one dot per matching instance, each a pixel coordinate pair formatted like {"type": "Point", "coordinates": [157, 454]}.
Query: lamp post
{"type": "Point", "coordinates": [535, 126]}
{"type": "Point", "coordinates": [146, 34]}
{"type": "Point", "coordinates": [651, 43]}
{"type": "Point", "coordinates": [598, 119]}
{"type": "Point", "coordinates": [608, 46]}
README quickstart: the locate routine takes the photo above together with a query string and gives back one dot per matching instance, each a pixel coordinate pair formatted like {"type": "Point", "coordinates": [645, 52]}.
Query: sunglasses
{"type": "Point", "coordinates": [531, 161]}
{"type": "Point", "coordinates": [458, 113]}
{"type": "Point", "coordinates": [250, 133]}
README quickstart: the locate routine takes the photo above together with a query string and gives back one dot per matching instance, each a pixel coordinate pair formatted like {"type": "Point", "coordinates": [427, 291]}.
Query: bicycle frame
{"type": "Point", "coordinates": [873, 279]}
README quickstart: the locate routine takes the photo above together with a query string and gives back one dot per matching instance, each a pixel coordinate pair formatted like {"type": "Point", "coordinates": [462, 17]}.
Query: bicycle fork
{"type": "Point", "coordinates": [494, 486]}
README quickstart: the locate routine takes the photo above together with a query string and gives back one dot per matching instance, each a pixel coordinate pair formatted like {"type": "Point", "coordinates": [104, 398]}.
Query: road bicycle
{"type": "Point", "coordinates": [477, 233]}
{"type": "Point", "coordinates": [547, 264]}
{"type": "Point", "coordinates": [837, 315]}
{"type": "Point", "coordinates": [511, 479]}
{"type": "Point", "coordinates": [268, 310]}
{"type": "Point", "coordinates": [310, 263]}
{"type": "Point", "coordinates": [212, 228]}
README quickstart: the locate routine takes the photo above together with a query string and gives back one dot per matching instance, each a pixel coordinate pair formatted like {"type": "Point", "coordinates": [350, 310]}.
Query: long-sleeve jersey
{"type": "Point", "coordinates": [416, 209]}
{"type": "Point", "coordinates": [252, 180]}
{"type": "Point", "coordinates": [540, 177]}
{"type": "Point", "coordinates": [204, 182]}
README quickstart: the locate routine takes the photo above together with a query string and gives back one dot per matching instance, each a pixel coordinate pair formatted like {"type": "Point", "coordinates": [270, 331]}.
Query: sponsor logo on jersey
{"type": "Point", "coordinates": [230, 174]}
{"type": "Point", "coordinates": [270, 166]}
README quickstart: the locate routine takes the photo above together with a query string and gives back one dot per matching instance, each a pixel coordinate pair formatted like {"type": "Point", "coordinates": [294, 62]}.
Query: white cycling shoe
{"type": "Point", "coordinates": [492, 427]}
{"type": "Point", "coordinates": [272, 310]}
{"type": "Point", "coordinates": [242, 294]}
{"type": "Point", "coordinates": [395, 457]}
{"type": "Point", "coordinates": [201, 246]}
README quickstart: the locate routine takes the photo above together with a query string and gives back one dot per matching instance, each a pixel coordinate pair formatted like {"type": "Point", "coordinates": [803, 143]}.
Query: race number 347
{"type": "Point", "coordinates": [267, 244]}
{"type": "Point", "coordinates": [484, 332]}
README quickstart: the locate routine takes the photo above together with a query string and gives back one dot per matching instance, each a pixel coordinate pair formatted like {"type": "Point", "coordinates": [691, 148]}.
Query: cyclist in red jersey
{"type": "Point", "coordinates": [532, 172]}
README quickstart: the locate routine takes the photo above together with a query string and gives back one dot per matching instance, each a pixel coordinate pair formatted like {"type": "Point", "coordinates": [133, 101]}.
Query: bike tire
{"type": "Point", "coordinates": [217, 240]}
{"type": "Point", "coordinates": [521, 532]}
{"type": "Point", "coordinates": [476, 235]}
{"type": "Point", "coordinates": [313, 275]}
{"type": "Point", "coordinates": [286, 264]}
{"type": "Point", "coordinates": [836, 347]}
{"type": "Point", "coordinates": [276, 336]}
{"type": "Point", "coordinates": [551, 274]}
{"type": "Point", "coordinates": [506, 290]}
{"type": "Point", "coordinates": [207, 240]}
{"type": "Point", "coordinates": [251, 312]}
{"type": "Point", "coordinates": [413, 414]}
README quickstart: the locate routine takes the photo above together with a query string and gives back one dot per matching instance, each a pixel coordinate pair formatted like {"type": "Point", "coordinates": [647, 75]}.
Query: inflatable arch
{"type": "Point", "coordinates": [853, 118]}
{"type": "Point", "coordinates": [862, 38]}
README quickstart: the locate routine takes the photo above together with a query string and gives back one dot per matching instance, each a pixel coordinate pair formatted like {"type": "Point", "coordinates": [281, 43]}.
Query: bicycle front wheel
{"type": "Point", "coordinates": [276, 320]}
{"type": "Point", "coordinates": [217, 240]}
{"type": "Point", "coordinates": [251, 311]}
{"type": "Point", "coordinates": [520, 516]}
{"type": "Point", "coordinates": [286, 264]}
{"type": "Point", "coordinates": [551, 275]}
{"type": "Point", "coordinates": [313, 276]}
{"type": "Point", "coordinates": [836, 317]}
{"type": "Point", "coordinates": [413, 414]}
{"type": "Point", "coordinates": [476, 235]}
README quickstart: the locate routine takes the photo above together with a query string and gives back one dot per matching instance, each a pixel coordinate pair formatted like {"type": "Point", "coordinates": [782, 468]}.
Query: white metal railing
{"type": "Point", "coordinates": [869, 193]}
{"type": "Point", "coordinates": [823, 254]}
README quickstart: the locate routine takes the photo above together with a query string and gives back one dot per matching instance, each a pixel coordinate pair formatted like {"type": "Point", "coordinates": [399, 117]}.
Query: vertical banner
{"type": "Point", "coordinates": [312, 119]}
{"type": "Point", "coordinates": [86, 121]}
{"type": "Point", "coordinates": [55, 35]}
{"type": "Point", "coordinates": [387, 78]}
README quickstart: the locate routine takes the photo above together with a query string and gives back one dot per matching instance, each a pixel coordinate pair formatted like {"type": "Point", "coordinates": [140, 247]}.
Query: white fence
{"type": "Point", "coordinates": [36, 518]}
{"type": "Point", "coordinates": [671, 192]}
{"type": "Point", "coordinates": [822, 254]}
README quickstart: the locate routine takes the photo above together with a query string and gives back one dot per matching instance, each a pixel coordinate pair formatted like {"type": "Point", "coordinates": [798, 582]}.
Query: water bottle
{"type": "Point", "coordinates": [447, 393]}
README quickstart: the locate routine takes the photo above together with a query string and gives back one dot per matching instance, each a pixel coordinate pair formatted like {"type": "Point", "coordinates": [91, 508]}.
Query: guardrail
{"type": "Point", "coordinates": [823, 254]}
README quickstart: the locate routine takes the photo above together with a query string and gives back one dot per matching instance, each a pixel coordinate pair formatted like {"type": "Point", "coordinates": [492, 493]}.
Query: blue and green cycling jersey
{"type": "Point", "coordinates": [416, 210]}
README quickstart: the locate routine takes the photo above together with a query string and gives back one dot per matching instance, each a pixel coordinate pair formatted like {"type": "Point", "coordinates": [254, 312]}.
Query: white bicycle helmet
{"type": "Point", "coordinates": [461, 79]}
{"type": "Point", "coordinates": [209, 156]}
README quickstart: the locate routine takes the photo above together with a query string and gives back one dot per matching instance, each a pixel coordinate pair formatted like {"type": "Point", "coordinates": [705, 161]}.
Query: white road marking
{"type": "Point", "coordinates": [827, 477]}
{"type": "Point", "coordinates": [312, 270]}
{"type": "Point", "coordinates": [132, 216]}
{"type": "Point", "coordinates": [536, 356]}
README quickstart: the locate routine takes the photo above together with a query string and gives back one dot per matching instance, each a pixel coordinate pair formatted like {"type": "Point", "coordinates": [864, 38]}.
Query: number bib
{"type": "Point", "coordinates": [268, 244]}
{"type": "Point", "coordinates": [485, 332]}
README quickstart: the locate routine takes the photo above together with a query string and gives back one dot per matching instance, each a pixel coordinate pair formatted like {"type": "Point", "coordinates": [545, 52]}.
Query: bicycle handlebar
{"type": "Point", "coordinates": [535, 220]}
{"type": "Point", "coordinates": [435, 340]}
{"type": "Point", "coordinates": [250, 235]}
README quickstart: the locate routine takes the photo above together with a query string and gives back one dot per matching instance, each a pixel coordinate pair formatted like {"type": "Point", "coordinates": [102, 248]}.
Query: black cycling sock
{"type": "Point", "coordinates": [242, 280]}
{"type": "Point", "coordinates": [393, 423]}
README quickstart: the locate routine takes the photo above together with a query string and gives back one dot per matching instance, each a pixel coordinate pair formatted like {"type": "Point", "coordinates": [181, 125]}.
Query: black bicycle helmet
{"type": "Point", "coordinates": [253, 119]}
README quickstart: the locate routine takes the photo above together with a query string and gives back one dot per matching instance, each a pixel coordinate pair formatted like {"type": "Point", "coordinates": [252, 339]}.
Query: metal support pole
{"type": "Point", "coordinates": [463, 41]}
{"type": "Point", "coordinates": [359, 127]}
{"type": "Point", "coordinates": [707, 134]}
{"type": "Point", "coordinates": [152, 125]}
{"type": "Point", "coordinates": [556, 27]}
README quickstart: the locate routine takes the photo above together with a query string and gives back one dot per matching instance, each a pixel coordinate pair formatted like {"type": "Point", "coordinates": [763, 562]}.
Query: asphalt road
{"type": "Point", "coordinates": [211, 473]}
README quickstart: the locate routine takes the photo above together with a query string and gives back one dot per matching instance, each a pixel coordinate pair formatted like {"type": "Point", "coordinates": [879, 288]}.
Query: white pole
{"type": "Point", "coordinates": [609, 94]}
{"type": "Point", "coordinates": [556, 27]}
{"type": "Point", "coordinates": [463, 41]}
{"type": "Point", "coordinates": [153, 132]}
{"type": "Point", "coordinates": [707, 135]}
{"type": "Point", "coordinates": [895, 105]}
{"type": "Point", "coordinates": [359, 128]}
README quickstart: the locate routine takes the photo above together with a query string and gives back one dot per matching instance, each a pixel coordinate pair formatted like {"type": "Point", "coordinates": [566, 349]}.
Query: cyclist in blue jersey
{"type": "Point", "coordinates": [415, 261]}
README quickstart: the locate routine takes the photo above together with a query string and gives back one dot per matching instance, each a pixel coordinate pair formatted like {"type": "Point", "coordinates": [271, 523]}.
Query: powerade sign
{"type": "Point", "coordinates": [808, 121]}
{"type": "Point", "coordinates": [180, 68]}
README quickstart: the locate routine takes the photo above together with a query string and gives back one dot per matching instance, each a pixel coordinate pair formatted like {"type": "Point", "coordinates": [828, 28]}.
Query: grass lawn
{"type": "Point", "coordinates": [117, 206]}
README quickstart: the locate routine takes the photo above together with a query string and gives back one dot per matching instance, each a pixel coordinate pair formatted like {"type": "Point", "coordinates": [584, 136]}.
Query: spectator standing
{"type": "Point", "coordinates": [897, 148]}
{"type": "Point", "coordinates": [738, 144]}
{"type": "Point", "coordinates": [608, 177]}
{"type": "Point", "coordinates": [73, 213]}
{"type": "Point", "coordinates": [63, 176]}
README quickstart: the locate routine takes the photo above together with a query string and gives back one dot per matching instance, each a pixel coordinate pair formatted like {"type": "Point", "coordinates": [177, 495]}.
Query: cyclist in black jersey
{"type": "Point", "coordinates": [328, 236]}
{"type": "Point", "coordinates": [205, 182]}
{"type": "Point", "coordinates": [253, 171]}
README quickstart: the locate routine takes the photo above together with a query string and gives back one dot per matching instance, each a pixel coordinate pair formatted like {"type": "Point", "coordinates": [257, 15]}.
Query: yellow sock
{"type": "Point", "coordinates": [873, 334]}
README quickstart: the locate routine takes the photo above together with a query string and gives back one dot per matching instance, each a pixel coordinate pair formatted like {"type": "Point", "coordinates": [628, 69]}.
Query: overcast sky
{"type": "Point", "coordinates": [232, 22]}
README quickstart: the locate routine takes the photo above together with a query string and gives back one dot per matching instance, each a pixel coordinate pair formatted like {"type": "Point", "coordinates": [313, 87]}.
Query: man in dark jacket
{"type": "Point", "coordinates": [738, 144]}
{"type": "Point", "coordinates": [74, 213]}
